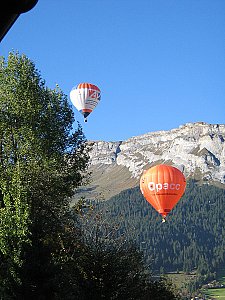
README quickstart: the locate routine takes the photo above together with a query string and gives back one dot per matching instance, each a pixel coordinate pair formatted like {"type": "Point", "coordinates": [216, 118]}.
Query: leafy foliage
{"type": "Point", "coordinates": [42, 161]}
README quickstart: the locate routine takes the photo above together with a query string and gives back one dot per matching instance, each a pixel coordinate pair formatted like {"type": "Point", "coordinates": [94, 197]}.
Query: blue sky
{"type": "Point", "coordinates": [159, 63]}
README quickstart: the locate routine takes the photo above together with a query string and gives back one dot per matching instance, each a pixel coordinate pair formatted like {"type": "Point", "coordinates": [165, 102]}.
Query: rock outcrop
{"type": "Point", "coordinates": [198, 147]}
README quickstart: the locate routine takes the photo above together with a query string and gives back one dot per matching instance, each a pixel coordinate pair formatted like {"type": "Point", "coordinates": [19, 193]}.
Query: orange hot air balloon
{"type": "Point", "coordinates": [163, 186]}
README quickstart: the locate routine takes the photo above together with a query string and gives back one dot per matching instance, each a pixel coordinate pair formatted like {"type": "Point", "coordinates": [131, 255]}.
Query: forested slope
{"type": "Point", "coordinates": [192, 238]}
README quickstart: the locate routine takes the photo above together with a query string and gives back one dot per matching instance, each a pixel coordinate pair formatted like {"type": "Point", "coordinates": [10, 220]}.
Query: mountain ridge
{"type": "Point", "coordinates": [198, 148]}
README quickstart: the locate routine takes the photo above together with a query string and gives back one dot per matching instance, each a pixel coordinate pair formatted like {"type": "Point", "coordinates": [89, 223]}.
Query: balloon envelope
{"type": "Point", "coordinates": [85, 97]}
{"type": "Point", "coordinates": [163, 186]}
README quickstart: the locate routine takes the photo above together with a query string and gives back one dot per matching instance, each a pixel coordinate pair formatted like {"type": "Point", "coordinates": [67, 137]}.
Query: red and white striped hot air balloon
{"type": "Point", "coordinates": [85, 97]}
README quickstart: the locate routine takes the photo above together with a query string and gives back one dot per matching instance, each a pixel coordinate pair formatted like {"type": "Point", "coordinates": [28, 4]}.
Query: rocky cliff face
{"type": "Point", "coordinates": [198, 147]}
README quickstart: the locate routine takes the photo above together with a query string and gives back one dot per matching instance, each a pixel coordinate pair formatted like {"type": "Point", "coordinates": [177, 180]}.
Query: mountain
{"type": "Point", "coordinates": [197, 148]}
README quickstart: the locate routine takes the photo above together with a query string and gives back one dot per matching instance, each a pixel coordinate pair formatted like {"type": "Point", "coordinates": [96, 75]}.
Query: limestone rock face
{"type": "Point", "coordinates": [104, 152]}
{"type": "Point", "coordinates": [198, 147]}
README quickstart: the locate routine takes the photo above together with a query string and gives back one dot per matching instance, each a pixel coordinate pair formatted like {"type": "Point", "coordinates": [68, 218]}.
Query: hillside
{"type": "Point", "coordinates": [191, 239]}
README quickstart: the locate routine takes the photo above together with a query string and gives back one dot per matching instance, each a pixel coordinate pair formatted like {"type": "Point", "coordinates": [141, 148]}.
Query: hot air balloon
{"type": "Point", "coordinates": [85, 97]}
{"type": "Point", "coordinates": [163, 186]}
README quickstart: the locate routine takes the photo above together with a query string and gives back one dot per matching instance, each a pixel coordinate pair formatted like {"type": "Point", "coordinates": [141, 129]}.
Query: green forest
{"type": "Point", "coordinates": [192, 239]}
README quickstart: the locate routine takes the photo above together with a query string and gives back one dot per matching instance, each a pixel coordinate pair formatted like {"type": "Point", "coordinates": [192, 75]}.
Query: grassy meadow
{"type": "Point", "coordinates": [181, 279]}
